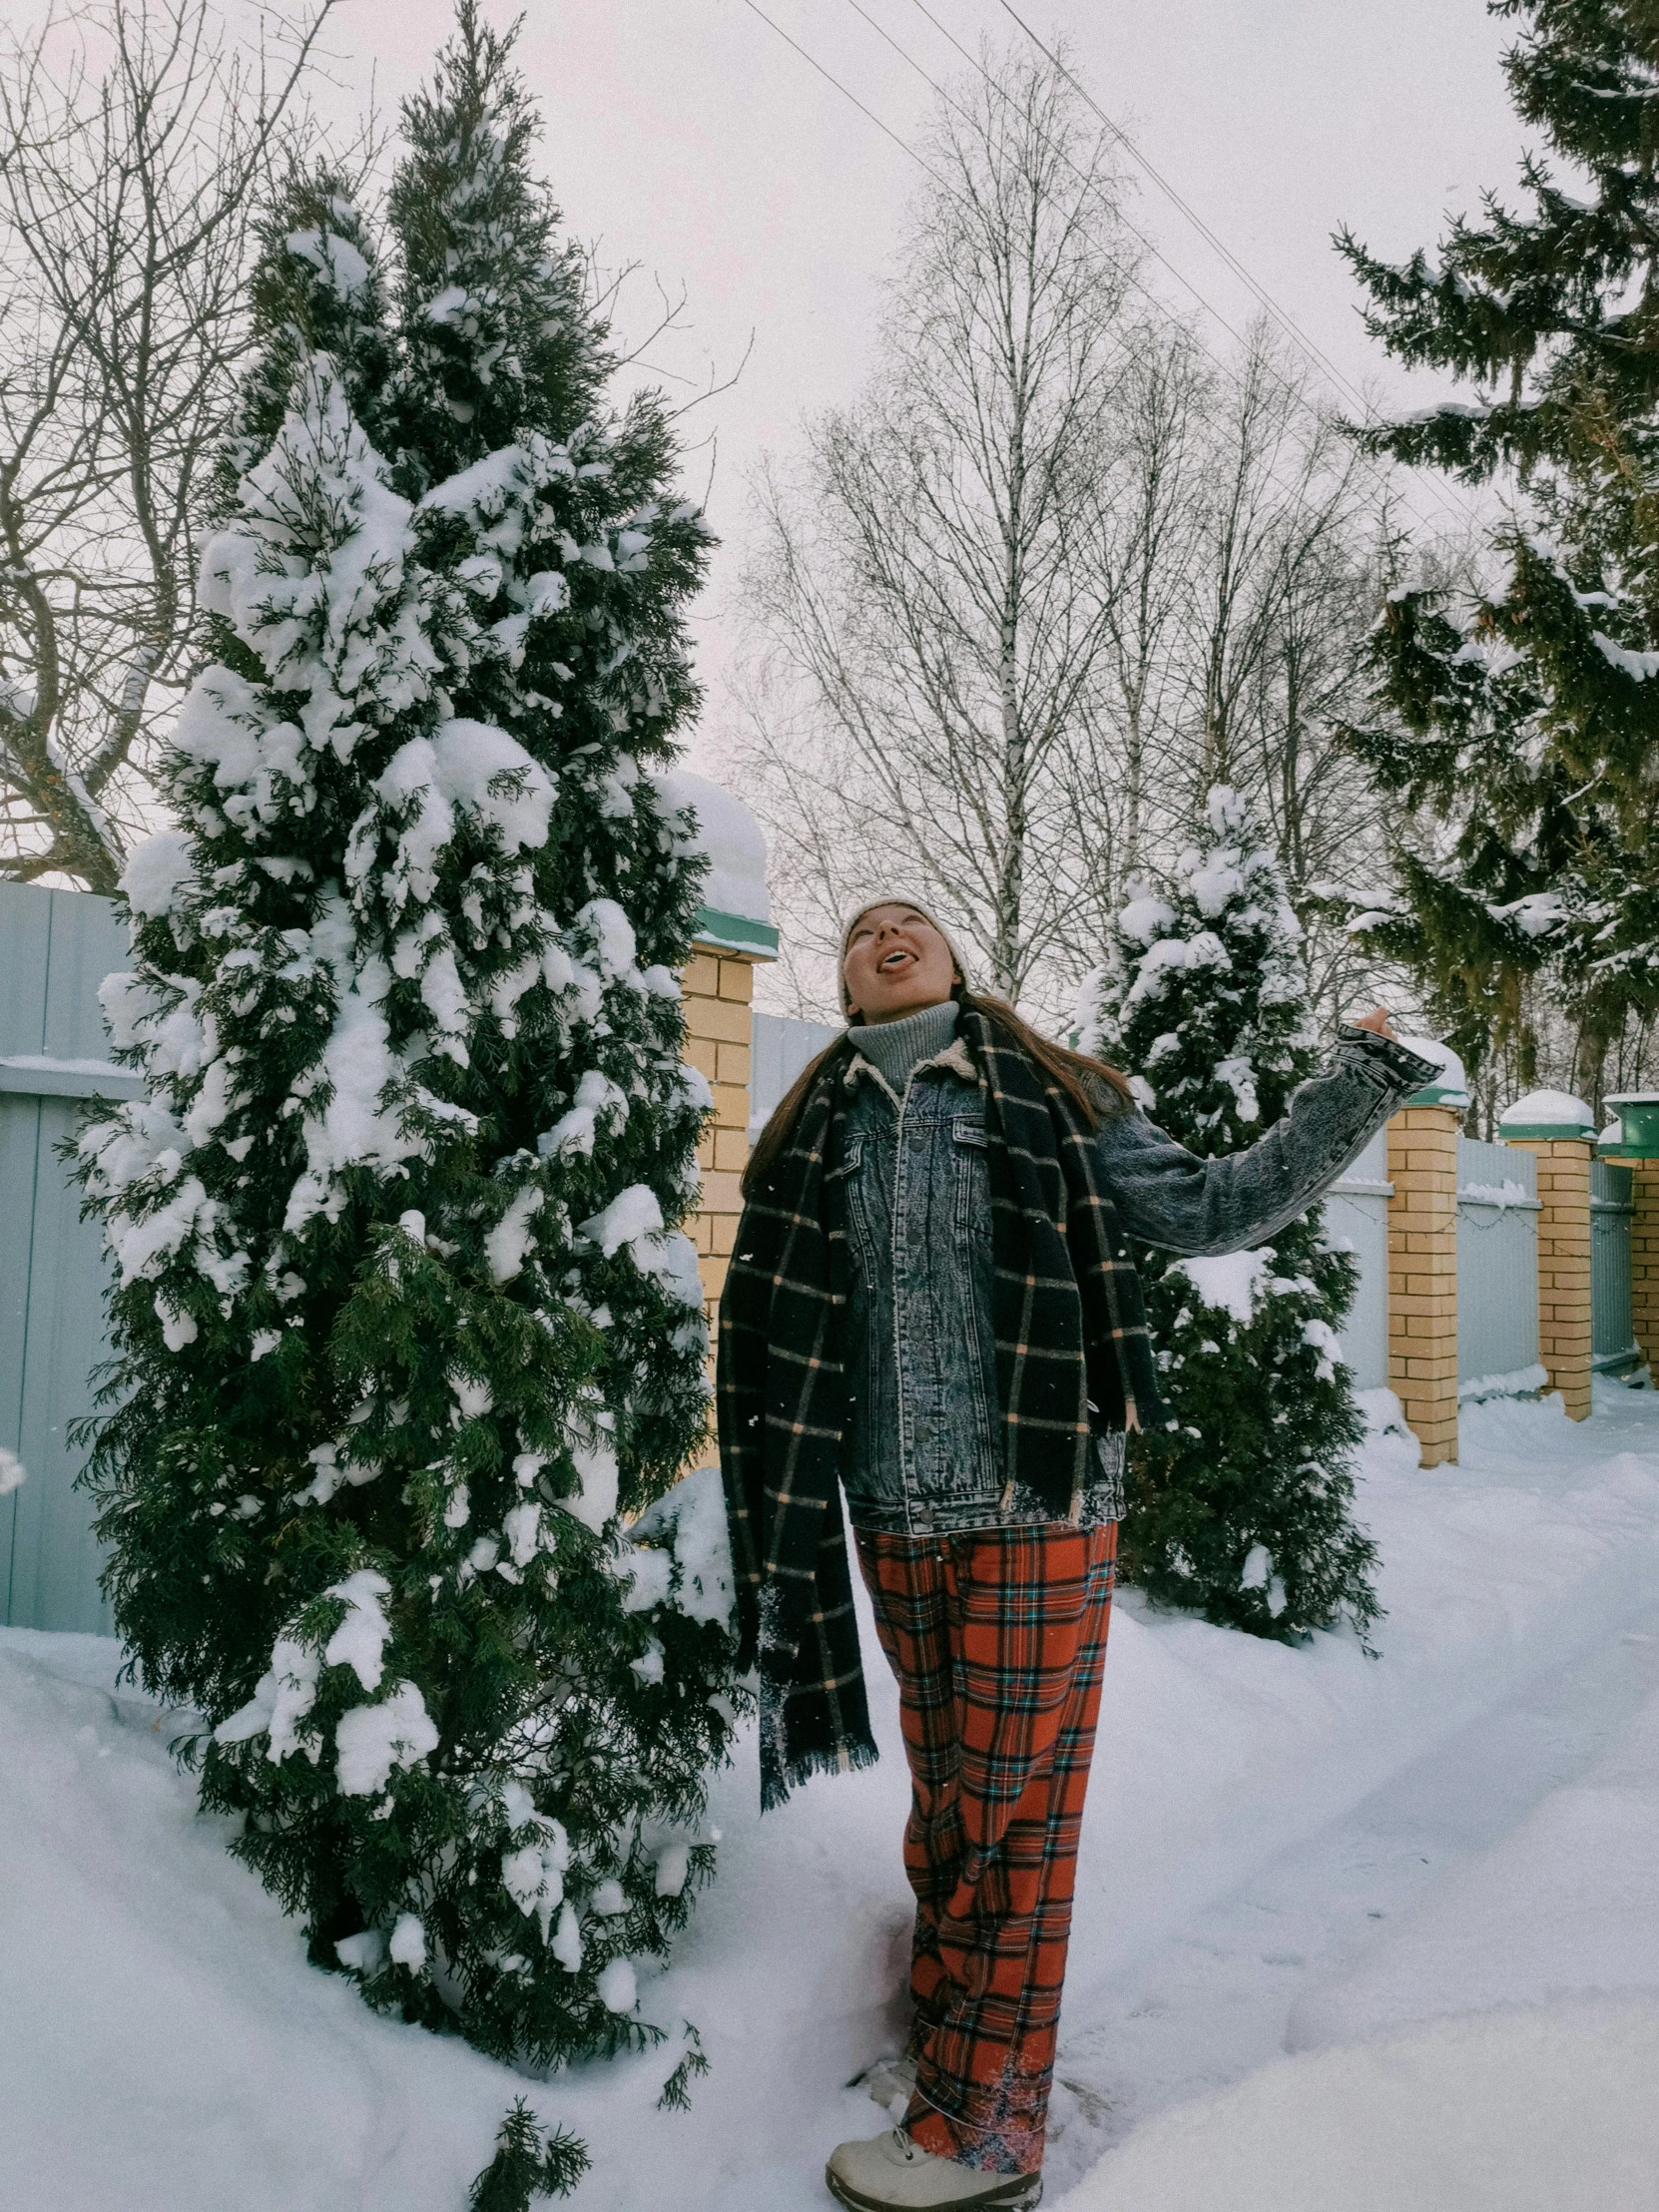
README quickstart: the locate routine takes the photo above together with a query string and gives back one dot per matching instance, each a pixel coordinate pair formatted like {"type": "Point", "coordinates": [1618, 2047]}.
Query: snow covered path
{"type": "Point", "coordinates": [1383, 1935]}
{"type": "Point", "coordinates": [1502, 1860]}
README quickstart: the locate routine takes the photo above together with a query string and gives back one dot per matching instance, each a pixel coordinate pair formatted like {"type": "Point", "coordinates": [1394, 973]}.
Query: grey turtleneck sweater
{"type": "Point", "coordinates": [893, 1048]}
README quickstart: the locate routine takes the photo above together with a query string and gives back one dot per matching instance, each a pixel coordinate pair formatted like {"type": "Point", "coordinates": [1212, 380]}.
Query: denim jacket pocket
{"type": "Point", "coordinates": [872, 1486]}
{"type": "Point", "coordinates": [978, 1423]}
{"type": "Point", "coordinates": [972, 1181]}
{"type": "Point", "coordinates": [848, 1172]}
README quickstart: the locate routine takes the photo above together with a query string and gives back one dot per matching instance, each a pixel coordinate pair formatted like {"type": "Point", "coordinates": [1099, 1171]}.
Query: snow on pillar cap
{"type": "Point", "coordinates": [1449, 1087]}
{"type": "Point", "coordinates": [1541, 1115]}
{"type": "Point", "coordinates": [736, 913]}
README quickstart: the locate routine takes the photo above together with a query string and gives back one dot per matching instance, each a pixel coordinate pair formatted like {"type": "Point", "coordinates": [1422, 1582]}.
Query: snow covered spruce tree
{"type": "Point", "coordinates": [1242, 1511]}
{"type": "Point", "coordinates": [404, 1314]}
{"type": "Point", "coordinates": [1518, 726]}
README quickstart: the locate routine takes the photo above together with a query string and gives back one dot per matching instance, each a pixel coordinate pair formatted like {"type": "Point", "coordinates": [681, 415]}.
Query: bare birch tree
{"type": "Point", "coordinates": [928, 609]}
{"type": "Point", "coordinates": [1238, 554]}
{"type": "Point", "coordinates": [136, 139]}
{"type": "Point", "coordinates": [1288, 554]}
{"type": "Point", "coordinates": [1282, 500]}
{"type": "Point", "coordinates": [1150, 507]}
{"type": "Point", "coordinates": [1057, 573]}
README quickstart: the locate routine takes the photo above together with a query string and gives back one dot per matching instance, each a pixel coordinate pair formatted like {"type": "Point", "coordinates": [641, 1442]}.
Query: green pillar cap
{"type": "Point", "coordinates": [1638, 1113]}
{"type": "Point", "coordinates": [1547, 1116]}
{"type": "Point", "coordinates": [735, 933]}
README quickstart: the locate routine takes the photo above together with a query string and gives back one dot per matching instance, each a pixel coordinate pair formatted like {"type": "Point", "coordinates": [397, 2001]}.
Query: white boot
{"type": "Point", "coordinates": [891, 2174]}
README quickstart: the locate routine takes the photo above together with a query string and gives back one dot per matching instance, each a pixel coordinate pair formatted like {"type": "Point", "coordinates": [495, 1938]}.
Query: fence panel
{"type": "Point", "coordinates": [1497, 1263]}
{"type": "Point", "coordinates": [1356, 1221]}
{"type": "Point", "coordinates": [779, 1048]}
{"type": "Point", "coordinates": [55, 949]}
{"type": "Point", "coordinates": [1613, 1342]}
{"type": "Point", "coordinates": [55, 1558]}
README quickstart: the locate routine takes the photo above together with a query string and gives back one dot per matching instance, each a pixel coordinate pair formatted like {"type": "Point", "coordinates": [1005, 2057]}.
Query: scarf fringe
{"type": "Point", "coordinates": [847, 1757]}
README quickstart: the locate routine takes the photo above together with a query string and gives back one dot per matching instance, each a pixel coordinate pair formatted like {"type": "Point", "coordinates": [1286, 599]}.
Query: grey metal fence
{"type": "Point", "coordinates": [1613, 1342]}
{"type": "Point", "coordinates": [55, 949]}
{"type": "Point", "coordinates": [780, 1047]}
{"type": "Point", "coordinates": [1356, 1221]}
{"type": "Point", "coordinates": [1497, 1266]}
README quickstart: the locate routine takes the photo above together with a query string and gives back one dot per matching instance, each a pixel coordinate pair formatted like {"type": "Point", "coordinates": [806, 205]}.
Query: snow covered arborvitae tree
{"type": "Point", "coordinates": [1523, 728]}
{"type": "Point", "coordinates": [403, 1316]}
{"type": "Point", "coordinates": [1242, 1510]}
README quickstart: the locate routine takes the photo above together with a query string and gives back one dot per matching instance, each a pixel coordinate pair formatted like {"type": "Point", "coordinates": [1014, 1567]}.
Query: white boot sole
{"type": "Point", "coordinates": [1018, 2192]}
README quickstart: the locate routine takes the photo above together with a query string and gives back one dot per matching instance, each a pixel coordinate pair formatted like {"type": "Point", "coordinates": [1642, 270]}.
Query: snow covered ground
{"type": "Point", "coordinates": [1382, 1935]}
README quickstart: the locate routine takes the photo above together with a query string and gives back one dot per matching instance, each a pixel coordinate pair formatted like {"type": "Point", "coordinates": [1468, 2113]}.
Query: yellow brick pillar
{"type": "Point", "coordinates": [1565, 1265]}
{"type": "Point", "coordinates": [1560, 1131]}
{"type": "Point", "coordinates": [1638, 1150]}
{"type": "Point", "coordinates": [719, 984]}
{"type": "Point", "coordinates": [1422, 1275]}
{"type": "Point", "coordinates": [731, 939]}
{"type": "Point", "coordinates": [1644, 1257]}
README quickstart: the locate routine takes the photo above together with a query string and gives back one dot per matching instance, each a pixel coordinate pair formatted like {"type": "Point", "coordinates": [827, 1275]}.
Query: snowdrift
{"type": "Point", "coordinates": [1377, 1933]}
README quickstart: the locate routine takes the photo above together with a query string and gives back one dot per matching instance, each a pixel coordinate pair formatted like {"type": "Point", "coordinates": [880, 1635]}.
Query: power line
{"type": "Point", "coordinates": [1286, 322]}
{"type": "Point", "coordinates": [1299, 499]}
{"type": "Point", "coordinates": [903, 145]}
{"type": "Point", "coordinates": [1093, 185]}
{"type": "Point", "coordinates": [1140, 236]}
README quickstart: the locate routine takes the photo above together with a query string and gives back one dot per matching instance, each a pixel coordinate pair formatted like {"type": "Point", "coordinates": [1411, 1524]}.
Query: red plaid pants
{"type": "Point", "coordinates": [997, 1638]}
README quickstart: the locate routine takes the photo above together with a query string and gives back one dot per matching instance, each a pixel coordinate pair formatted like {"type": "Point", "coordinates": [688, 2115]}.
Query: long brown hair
{"type": "Point", "coordinates": [1078, 1074]}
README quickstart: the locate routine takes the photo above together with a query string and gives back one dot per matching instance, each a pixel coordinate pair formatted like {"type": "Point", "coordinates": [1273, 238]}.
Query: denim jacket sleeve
{"type": "Point", "coordinates": [1168, 1196]}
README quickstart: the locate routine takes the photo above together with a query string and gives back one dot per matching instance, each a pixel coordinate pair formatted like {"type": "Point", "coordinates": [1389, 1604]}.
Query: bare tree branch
{"type": "Point", "coordinates": [137, 141]}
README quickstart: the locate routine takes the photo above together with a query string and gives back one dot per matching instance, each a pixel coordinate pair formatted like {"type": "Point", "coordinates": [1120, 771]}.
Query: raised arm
{"type": "Point", "coordinates": [1168, 1196]}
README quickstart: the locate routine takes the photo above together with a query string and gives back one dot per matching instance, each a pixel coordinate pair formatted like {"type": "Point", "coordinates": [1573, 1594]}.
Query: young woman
{"type": "Point", "coordinates": [931, 1306]}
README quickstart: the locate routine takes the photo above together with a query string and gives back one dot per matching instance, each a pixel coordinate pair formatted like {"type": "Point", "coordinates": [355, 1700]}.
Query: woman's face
{"type": "Point", "coordinates": [896, 961]}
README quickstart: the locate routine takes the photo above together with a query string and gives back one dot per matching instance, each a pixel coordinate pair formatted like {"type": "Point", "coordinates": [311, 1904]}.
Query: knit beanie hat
{"type": "Point", "coordinates": [916, 905]}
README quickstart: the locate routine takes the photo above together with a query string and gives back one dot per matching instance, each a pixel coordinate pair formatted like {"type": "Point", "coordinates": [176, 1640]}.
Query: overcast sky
{"type": "Point", "coordinates": [688, 136]}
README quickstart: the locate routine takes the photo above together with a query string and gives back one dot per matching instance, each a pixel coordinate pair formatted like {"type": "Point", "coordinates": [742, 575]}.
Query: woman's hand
{"type": "Point", "coordinates": [1376, 1019]}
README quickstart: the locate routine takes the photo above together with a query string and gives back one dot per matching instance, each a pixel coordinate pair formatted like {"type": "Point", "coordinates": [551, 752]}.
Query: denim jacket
{"type": "Point", "coordinates": [921, 1449]}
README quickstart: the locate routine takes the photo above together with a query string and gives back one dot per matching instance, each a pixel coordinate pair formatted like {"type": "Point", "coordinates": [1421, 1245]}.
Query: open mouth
{"type": "Point", "coordinates": [893, 960]}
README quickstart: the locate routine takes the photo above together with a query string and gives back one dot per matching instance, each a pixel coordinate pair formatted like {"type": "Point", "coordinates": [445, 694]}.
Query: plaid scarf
{"type": "Point", "coordinates": [1072, 1353]}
